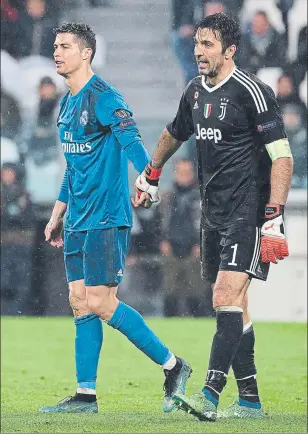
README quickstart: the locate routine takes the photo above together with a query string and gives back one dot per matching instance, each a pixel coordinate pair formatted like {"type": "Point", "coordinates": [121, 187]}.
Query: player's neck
{"type": "Point", "coordinates": [223, 73]}
{"type": "Point", "coordinates": [77, 81]}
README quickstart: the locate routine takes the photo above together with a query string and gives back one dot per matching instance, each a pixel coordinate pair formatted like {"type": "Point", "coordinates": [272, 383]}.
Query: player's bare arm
{"type": "Point", "coordinates": [53, 230]}
{"type": "Point", "coordinates": [281, 175]}
{"type": "Point", "coordinates": [147, 183]}
{"type": "Point", "coordinates": [167, 146]}
{"type": "Point", "coordinates": [273, 242]}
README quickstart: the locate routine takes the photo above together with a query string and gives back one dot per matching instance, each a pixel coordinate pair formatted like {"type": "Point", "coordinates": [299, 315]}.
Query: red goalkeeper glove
{"type": "Point", "coordinates": [147, 182]}
{"type": "Point", "coordinates": [273, 241]}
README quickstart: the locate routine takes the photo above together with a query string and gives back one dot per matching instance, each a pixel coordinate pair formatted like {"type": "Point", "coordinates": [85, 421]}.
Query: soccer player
{"type": "Point", "coordinates": [98, 135]}
{"type": "Point", "coordinates": [245, 168]}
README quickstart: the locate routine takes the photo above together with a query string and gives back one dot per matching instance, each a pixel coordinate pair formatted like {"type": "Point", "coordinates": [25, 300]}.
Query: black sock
{"type": "Point", "coordinates": [225, 343]}
{"type": "Point", "coordinates": [244, 368]}
{"type": "Point", "coordinates": [84, 397]}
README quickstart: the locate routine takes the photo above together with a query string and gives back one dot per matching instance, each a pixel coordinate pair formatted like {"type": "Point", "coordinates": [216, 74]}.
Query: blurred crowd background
{"type": "Point", "coordinates": [145, 48]}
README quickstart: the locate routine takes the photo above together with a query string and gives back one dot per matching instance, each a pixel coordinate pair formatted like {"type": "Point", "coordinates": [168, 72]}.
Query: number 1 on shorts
{"type": "Point", "coordinates": [234, 247]}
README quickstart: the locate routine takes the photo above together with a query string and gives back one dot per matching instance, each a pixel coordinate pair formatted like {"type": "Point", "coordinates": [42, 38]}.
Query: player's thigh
{"type": "Point", "coordinates": [73, 255]}
{"type": "Point", "coordinates": [240, 251]}
{"type": "Point", "coordinates": [105, 252]}
{"type": "Point", "coordinates": [209, 254]}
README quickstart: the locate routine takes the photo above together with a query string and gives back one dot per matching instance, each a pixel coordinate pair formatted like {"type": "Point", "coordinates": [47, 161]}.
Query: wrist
{"type": "Point", "coordinates": [152, 173]}
{"type": "Point", "coordinates": [273, 210]}
{"type": "Point", "coordinates": [59, 210]}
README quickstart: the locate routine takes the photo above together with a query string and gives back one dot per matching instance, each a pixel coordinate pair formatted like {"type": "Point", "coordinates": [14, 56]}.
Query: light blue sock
{"type": "Point", "coordinates": [129, 322]}
{"type": "Point", "coordinates": [88, 344]}
{"type": "Point", "coordinates": [249, 404]}
{"type": "Point", "coordinates": [210, 397]}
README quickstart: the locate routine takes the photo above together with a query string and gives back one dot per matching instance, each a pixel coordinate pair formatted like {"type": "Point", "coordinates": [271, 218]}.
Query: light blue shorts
{"type": "Point", "coordinates": [97, 256]}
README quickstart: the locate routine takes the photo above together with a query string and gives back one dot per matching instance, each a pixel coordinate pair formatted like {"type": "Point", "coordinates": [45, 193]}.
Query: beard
{"type": "Point", "coordinates": [211, 74]}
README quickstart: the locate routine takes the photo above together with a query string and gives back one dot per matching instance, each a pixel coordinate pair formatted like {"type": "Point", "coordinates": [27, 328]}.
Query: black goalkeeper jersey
{"type": "Point", "coordinates": [232, 122]}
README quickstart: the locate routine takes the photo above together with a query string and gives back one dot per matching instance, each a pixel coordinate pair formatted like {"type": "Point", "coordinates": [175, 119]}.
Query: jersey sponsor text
{"type": "Point", "coordinates": [208, 133]}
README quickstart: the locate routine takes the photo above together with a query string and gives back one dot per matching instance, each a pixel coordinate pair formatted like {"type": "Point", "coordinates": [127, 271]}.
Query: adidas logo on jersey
{"type": "Point", "coordinates": [208, 133]}
{"type": "Point", "coordinates": [196, 105]}
{"type": "Point", "coordinates": [120, 273]}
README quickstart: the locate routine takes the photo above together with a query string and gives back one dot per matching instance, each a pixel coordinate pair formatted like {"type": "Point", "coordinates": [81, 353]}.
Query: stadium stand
{"type": "Point", "coordinates": [134, 53]}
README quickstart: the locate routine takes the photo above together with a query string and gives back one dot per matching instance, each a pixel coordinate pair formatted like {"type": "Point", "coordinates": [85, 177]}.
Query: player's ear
{"type": "Point", "coordinates": [86, 53]}
{"type": "Point", "coordinates": [230, 51]}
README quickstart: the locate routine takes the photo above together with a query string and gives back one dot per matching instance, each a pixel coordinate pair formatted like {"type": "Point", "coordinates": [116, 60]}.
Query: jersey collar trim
{"type": "Point", "coordinates": [211, 89]}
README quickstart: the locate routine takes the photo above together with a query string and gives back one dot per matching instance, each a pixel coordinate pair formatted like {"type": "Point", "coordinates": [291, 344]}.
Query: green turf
{"type": "Point", "coordinates": [38, 369]}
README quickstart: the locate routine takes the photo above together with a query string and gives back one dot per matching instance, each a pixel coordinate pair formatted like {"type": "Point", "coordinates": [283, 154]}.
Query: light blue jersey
{"type": "Point", "coordinates": [98, 136]}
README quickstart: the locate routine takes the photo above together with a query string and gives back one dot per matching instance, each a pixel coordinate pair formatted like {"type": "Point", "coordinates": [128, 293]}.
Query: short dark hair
{"type": "Point", "coordinates": [83, 33]}
{"type": "Point", "coordinates": [261, 12]}
{"type": "Point", "coordinates": [226, 29]}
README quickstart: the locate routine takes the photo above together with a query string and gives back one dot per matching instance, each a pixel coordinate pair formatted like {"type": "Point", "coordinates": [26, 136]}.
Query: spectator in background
{"type": "Point", "coordinates": [10, 116]}
{"type": "Point", "coordinates": [144, 258]}
{"type": "Point", "coordinates": [180, 247]}
{"type": "Point", "coordinates": [297, 134]}
{"type": "Point", "coordinates": [287, 93]}
{"type": "Point", "coordinates": [9, 16]}
{"type": "Point", "coordinates": [212, 7]}
{"type": "Point", "coordinates": [9, 149]}
{"type": "Point", "coordinates": [40, 132]}
{"type": "Point", "coordinates": [285, 6]}
{"type": "Point", "coordinates": [16, 240]}
{"type": "Point", "coordinates": [15, 201]}
{"type": "Point", "coordinates": [261, 46]}
{"type": "Point", "coordinates": [183, 22]}
{"type": "Point", "coordinates": [32, 33]}
{"type": "Point", "coordinates": [300, 65]}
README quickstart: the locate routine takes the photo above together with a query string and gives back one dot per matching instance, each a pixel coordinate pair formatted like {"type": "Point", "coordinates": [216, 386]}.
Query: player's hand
{"type": "Point", "coordinates": [166, 248]}
{"type": "Point", "coordinates": [195, 251]}
{"type": "Point", "coordinates": [273, 241]}
{"type": "Point", "coordinates": [53, 232]}
{"type": "Point", "coordinates": [146, 187]}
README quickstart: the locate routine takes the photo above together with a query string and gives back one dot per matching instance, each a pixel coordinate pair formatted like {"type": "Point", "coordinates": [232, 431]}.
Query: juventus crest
{"type": "Point", "coordinates": [223, 108]}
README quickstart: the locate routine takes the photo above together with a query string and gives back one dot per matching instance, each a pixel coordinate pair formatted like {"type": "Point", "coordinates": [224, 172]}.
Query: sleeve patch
{"type": "Point", "coordinates": [267, 126]}
{"type": "Point", "coordinates": [127, 123]}
{"type": "Point", "coordinates": [122, 114]}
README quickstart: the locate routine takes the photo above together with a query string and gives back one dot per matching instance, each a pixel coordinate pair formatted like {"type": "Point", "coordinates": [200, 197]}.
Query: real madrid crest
{"type": "Point", "coordinates": [84, 118]}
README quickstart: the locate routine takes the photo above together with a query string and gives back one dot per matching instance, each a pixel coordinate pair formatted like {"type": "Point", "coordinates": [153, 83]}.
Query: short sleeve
{"type": "Point", "coordinates": [182, 127]}
{"type": "Point", "coordinates": [266, 118]}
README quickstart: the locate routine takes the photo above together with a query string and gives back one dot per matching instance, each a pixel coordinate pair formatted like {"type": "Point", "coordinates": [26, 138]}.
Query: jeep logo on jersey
{"type": "Point", "coordinates": [84, 118]}
{"type": "Point", "coordinates": [207, 110]}
{"type": "Point", "coordinates": [208, 133]}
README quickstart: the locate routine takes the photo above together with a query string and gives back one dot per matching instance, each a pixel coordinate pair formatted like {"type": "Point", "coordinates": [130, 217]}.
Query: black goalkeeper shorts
{"type": "Point", "coordinates": [236, 248]}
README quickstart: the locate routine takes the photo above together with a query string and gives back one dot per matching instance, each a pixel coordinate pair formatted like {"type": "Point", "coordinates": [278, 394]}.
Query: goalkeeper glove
{"type": "Point", "coordinates": [147, 182]}
{"type": "Point", "coordinates": [273, 241]}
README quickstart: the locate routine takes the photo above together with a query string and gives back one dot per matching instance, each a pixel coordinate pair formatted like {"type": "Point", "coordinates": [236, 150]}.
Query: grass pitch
{"type": "Point", "coordinates": [38, 369]}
